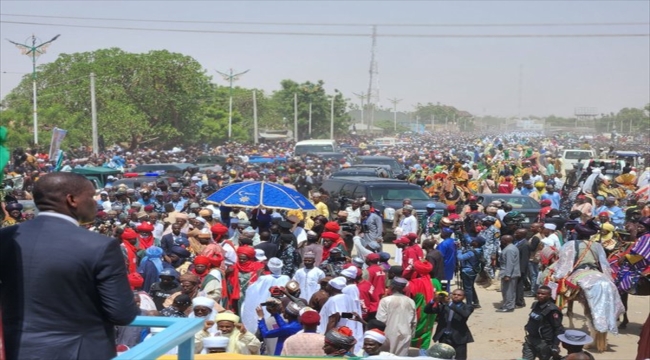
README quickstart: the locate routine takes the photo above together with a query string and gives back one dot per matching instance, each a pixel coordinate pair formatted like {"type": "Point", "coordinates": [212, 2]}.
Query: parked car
{"type": "Point", "coordinates": [386, 196]}
{"type": "Point", "coordinates": [522, 203]}
{"type": "Point", "coordinates": [395, 166]}
{"type": "Point", "coordinates": [176, 169]}
{"type": "Point", "coordinates": [131, 181]}
{"type": "Point", "coordinates": [364, 170]}
{"type": "Point", "coordinates": [96, 174]}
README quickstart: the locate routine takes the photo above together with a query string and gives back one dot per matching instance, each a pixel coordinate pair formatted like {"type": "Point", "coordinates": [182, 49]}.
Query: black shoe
{"type": "Point", "coordinates": [520, 306]}
{"type": "Point", "coordinates": [529, 294]}
{"type": "Point", "coordinates": [476, 306]}
{"type": "Point", "coordinates": [505, 310]}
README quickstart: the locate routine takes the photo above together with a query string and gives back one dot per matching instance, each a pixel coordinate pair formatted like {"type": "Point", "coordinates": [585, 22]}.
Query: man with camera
{"type": "Point", "coordinates": [469, 258]}
{"type": "Point", "coordinates": [285, 328]}
{"type": "Point", "coordinates": [452, 321]}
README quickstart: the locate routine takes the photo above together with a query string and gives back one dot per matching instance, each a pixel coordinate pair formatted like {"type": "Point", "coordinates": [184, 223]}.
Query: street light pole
{"type": "Point", "coordinates": [34, 51]}
{"type": "Point", "coordinates": [395, 101]}
{"type": "Point", "coordinates": [362, 96]}
{"type": "Point", "coordinates": [230, 77]}
{"type": "Point", "coordinates": [332, 118]}
{"type": "Point", "coordinates": [310, 89]}
{"type": "Point", "coordinates": [93, 114]}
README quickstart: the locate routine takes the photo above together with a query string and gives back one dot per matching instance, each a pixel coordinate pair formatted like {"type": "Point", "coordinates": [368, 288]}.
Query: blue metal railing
{"type": "Point", "coordinates": [179, 332]}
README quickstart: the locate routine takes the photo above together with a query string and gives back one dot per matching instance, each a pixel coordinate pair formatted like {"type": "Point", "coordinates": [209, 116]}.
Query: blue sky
{"type": "Point", "coordinates": [480, 75]}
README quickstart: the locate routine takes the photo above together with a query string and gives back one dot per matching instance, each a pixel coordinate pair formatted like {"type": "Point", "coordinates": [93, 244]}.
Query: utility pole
{"type": "Point", "coordinates": [395, 101]}
{"type": "Point", "coordinates": [362, 96]}
{"type": "Point", "coordinates": [255, 130]}
{"type": "Point", "coordinates": [230, 77]}
{"type": "Point", "coordinates": [521, 90]}
{"type": "Point", "coordinates": [332, 118]}
{"type": "Point", "coordinates": [93, 112]}
{"type": "Point", "coordinates": [310, 89]}
{"type": "Point", "coordinates": [34, 51]}
{"type": "Point", "coordinates": [295, 116]}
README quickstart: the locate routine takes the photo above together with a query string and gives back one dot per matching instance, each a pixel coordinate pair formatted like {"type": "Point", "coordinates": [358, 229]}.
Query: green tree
{"type": "Point", "coordinates": [142, 99]}
{"type": "Point", "coordinates": [321, 108]}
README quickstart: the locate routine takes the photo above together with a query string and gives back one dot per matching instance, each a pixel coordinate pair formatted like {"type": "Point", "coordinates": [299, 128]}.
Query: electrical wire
{"type": "Point", "coordinates": [265, 23]}
{"type": "Point", "coordinates": [292, 33]}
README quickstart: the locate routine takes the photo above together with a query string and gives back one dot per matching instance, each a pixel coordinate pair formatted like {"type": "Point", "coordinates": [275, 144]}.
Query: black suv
{"type": "Point", "coordinates": [364, 171]}
{"type": "Point", "coordinates": [396, 168]}
{"type": "Point", "coordinates": [386, 195]}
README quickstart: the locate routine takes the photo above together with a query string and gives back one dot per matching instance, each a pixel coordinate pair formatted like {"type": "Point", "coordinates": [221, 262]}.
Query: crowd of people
{"type": "Point", "coordinates": [324, 283]}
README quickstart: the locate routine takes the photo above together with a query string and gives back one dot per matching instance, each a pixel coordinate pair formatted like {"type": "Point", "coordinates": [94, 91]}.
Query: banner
{"type": "Point", "coordinates": [57, 138]}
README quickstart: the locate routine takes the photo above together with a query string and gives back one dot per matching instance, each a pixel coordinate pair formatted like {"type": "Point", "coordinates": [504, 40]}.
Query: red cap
{"type": "Point", "coordinates": [202, 260]}
{"type": "Point", "coordinates": [310, 317]}
{"type": "Point", "coordinates": [373, 257]}
{"type": "Point", "coordinates": [402, 240]}
{"type": "Point", "coordinates": [129, 234]}
{"type": "Point", "coordinates": [329, 235]}
{"type": "Point", "coordinates": [135, 280]}
{"type": "Point", "coordinates": [332, 226]}
{"type": "Point", "coordinates": [218, 229]}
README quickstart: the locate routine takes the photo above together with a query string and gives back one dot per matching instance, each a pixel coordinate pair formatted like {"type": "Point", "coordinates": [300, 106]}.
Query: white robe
{"type": "Point", "coordinates": [399, 314]}
{"type": "Point", "coordinates": [341, 303]}
{"type": "Point", "coordinates": [257, 294]}
{"type": "Point", "coordinates": [308, 279]}
{"type": "Point", "coordinates": [352, 290]}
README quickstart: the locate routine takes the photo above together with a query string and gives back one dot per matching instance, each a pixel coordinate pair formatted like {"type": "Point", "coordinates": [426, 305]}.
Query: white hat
{"type": "Point", "coordinates": [275, 265]}
{"type": "Point", "coordinates": [260, 255]}
{"type": "Point", "coordinates": [338, 283]}
{"type": "Point", "coordinates": [375, 334]}
{"type": "Point", "coordinates": [203, 301]}
{"type": "Point", "coordinates": [350, 272]}
{"type": "Point", "coordinates": [550, 226]}
{"type": "Point", "coordinates": [195, 178]}
{"type": "Point", "coordinates": [215, 342]}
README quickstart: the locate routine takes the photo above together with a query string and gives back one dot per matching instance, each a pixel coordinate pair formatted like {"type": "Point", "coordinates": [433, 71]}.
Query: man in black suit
{"type": "Point", "coordinates": [452, 322]}
{"type": "Point", "coordinates": [63, 289]}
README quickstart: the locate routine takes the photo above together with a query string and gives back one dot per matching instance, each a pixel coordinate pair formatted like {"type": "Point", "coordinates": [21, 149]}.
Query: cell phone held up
{"type": "Point", "coordinates": [347, 315]}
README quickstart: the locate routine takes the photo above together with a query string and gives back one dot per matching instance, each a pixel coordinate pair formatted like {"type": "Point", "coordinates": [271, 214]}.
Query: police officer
{"type": "Point", "coordinates": [543, 327]}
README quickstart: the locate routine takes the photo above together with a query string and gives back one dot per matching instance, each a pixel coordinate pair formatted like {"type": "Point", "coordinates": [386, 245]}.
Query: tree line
{"type": "Point", "coordinates": [157, 99]}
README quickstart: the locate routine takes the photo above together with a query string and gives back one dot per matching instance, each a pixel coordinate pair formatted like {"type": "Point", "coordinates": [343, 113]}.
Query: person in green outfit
{"type": "Point", "coordinates": [422, 289]}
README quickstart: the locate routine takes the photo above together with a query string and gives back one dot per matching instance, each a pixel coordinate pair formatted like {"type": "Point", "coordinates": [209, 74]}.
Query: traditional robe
{"type": "Point", "coordinates": [340, 303]}
{"type": "Point", "coordinates": [308, 279]}
{"type": "Point", "coordinates": [398, 312]}
{"type": "Point", "coordinates": [256, 294]}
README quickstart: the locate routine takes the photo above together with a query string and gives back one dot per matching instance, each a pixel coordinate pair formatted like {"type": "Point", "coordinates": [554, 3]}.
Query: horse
{"type": "Point", "coordinates": [600, 300]}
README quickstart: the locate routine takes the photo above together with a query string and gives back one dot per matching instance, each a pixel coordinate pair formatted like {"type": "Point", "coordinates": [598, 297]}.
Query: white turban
{"type": "Point", "coordinates": [550, 226]}
{"type": "Point", "coordinates": [215, 342]}
{"type": "Point", "coordinates": [203, 301]}
{"type": "Point", "coordinates": [260, 255]}
{"type": "Point", "coordinates": [350, 272]}
{"type": "Point", "coordinates": [275, 265]}
{"type": "Point", "coordinates": [338, 283]}
{"type": "Point", "coordinates": [375, 334]}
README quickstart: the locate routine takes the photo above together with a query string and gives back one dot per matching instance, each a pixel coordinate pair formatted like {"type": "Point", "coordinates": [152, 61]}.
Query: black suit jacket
{"type": "Point", "coordinates": [62, 291]}
{"type": "Point", "coordinates": [460, 333]}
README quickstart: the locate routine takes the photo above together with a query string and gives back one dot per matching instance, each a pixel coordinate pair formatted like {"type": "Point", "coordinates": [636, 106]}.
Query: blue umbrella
{"type": "Point", "coordinates": [260, 193]}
